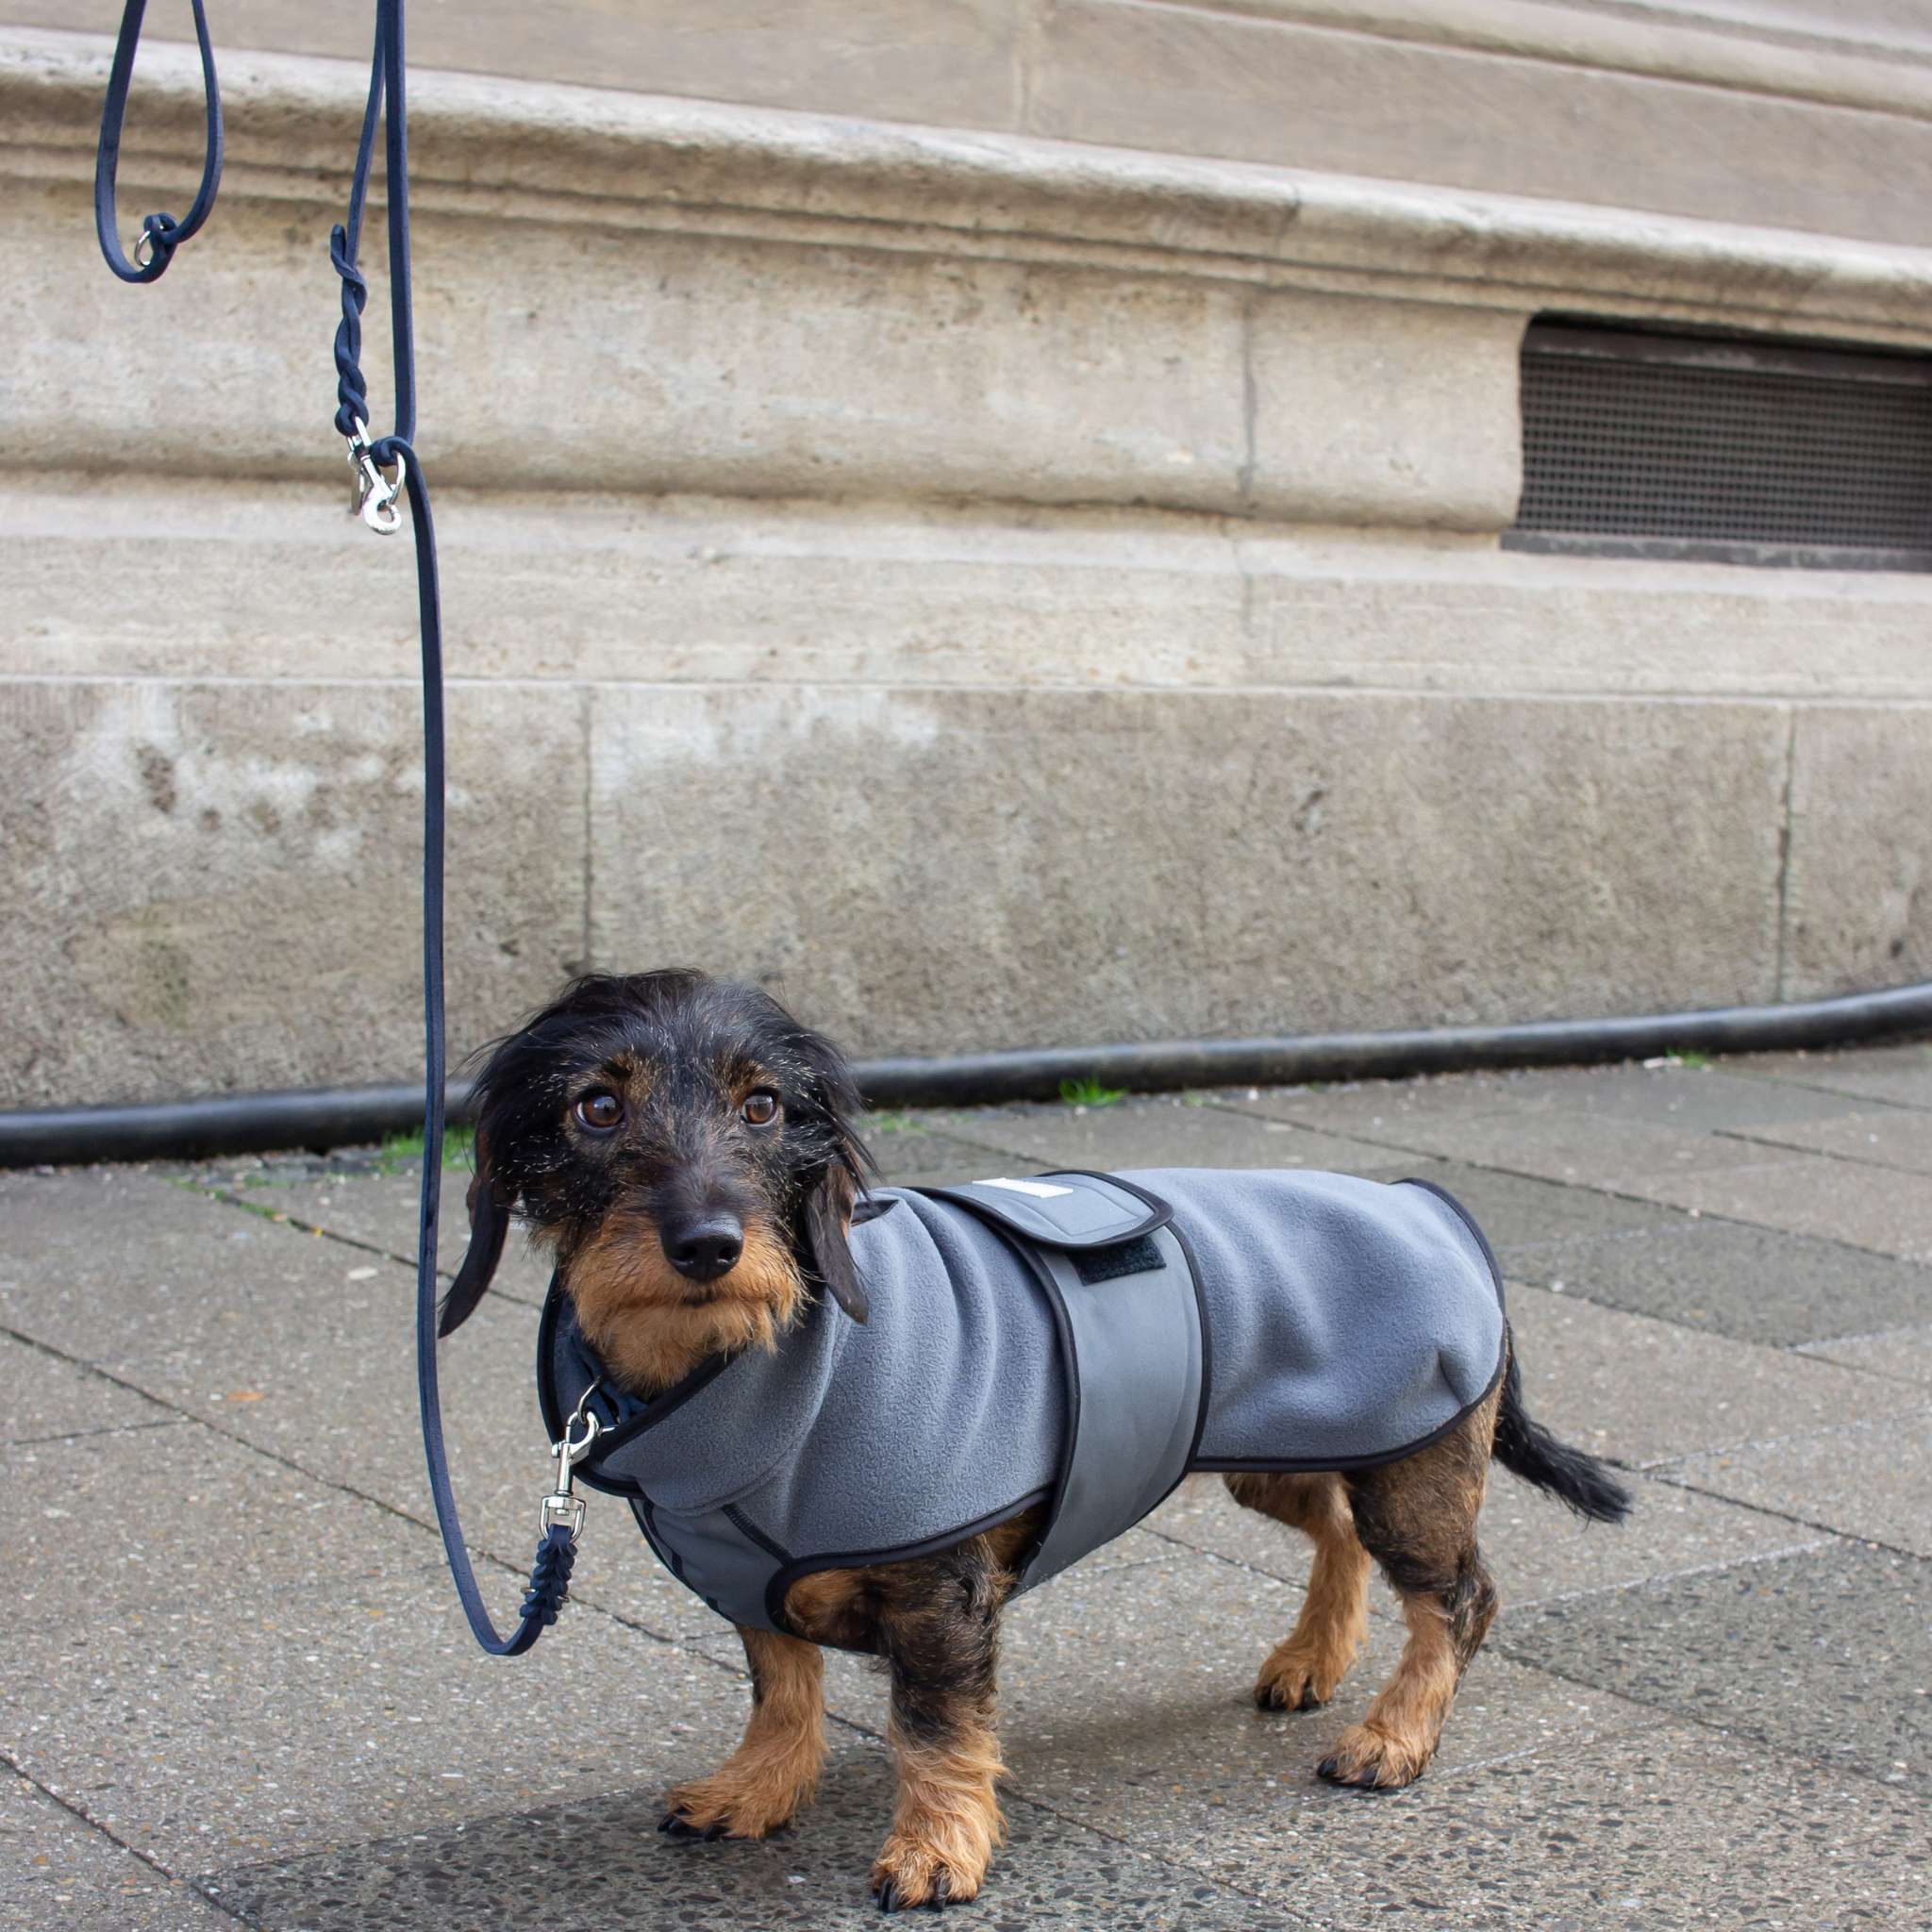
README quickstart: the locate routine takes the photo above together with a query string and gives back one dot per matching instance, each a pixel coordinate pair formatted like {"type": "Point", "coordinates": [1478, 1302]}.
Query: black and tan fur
{"type": "Point", "coordinates": [627, 1125]}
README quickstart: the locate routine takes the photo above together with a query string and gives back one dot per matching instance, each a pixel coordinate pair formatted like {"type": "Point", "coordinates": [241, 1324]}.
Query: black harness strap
{"type": "Point", "coordinates": [550, 1578]}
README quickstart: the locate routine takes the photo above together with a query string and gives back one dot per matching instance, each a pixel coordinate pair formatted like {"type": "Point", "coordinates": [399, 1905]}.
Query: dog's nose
{"type": "Point", "coordinates": [705, 1249]}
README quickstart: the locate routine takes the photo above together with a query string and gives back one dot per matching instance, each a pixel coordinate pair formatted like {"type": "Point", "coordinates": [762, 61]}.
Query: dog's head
{"type": "Point", "coordinates": [686, 1148]}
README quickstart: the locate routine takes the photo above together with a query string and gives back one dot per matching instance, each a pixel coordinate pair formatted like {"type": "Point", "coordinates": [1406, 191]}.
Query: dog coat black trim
{"type": "Point", "coordinates": [1253, 1321]}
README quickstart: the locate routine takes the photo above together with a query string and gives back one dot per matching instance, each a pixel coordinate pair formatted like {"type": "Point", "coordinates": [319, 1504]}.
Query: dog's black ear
{"type": "Point", "coordinates": [828, 1210]}
{"type": "Point", "coordinates": [488, 1229]}
{"type": "Point", "coordinates": [839, 1197]}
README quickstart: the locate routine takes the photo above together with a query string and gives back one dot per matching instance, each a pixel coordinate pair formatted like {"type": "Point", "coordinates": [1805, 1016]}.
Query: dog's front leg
{"type": "Point", "coordinates": [776, 1767]}
{"type": "Point", "coordinates": [941, 1653]}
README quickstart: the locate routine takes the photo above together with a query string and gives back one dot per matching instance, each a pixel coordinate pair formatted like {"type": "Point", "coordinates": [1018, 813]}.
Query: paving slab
{"type": "Point", "coordinates": [1901, 1074]}
{"type": "Point", "coordinates": [42, 1396]}
{"type": "Point", "coordinates": [96, 1259]}
{"type": "Point", "coordinates": [259, 1679]}
{"type": "Point", "coordinates": [602, 1863]}
{"type": "Point", "coordinates": [1185, 1133]}
{"type": "Point", "coordinates": [1871, 1480]}
{"type": "Point", "coordinates": [1697, 1099]}
{"type": "Point", "coordinates": [1126, 1702]}
{"type": "Point", "coordinates": [1896, 1137]}
{"type": "Point", "coordinates": [1513, 1208]}
{"type": "Point", "coordinates": [987, 1127]}
{"type": "Point", "coordinates": [1369, 1107]}
{"type": "Point", "coordinates": [218, 1659]}
{"type": "Point", "coordinates": [1904, 1353]}
{"type": "Point", "coordinates": [1643, 1392]}
{"type": "Point", "coordinates": [379, 1211]}
{"type": "Point", "coordinates": [1538, 1550]}
{"type": "Point", "coordinates": [1730, 1279]}
{"type": "Point", "coordinates": [1579, 1149]}
{"type": "Point", "coordinates": [1809, 1193]}
{"type": "Point", "coordinates": [1692, 1099]}
{"type": "Point", "coordinates": [935, 1160]}
{"type": "Point", "coordinates": [1824, 1655]}
{"type": "Point", "coordinates": [1648, 1832]}
{"type": "Point", "coordinates": [60, 1874]}
{"type": "Point", "coordinates": [1535, 1548]}
{"type": "Point", "coordinates": [305, 1348]}
{"type": "Point", "coordinates": [1201, 1515]}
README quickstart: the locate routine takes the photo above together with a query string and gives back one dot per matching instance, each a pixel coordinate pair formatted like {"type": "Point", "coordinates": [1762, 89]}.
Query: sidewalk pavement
{"type": "Point", "coordinates": [238, 1688]}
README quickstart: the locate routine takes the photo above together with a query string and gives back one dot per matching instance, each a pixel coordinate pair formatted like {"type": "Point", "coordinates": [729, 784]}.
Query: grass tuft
{"type": "Point", "coordinates": [1089, 1093]}
{"type": "Point", "coordinates": [398, 1150]}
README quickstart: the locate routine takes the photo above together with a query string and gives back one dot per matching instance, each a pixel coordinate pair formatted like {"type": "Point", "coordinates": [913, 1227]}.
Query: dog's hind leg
{"type": "Point", "coordinates": [1305, 1667]}
{"type": "Point", "coordinates": [1418, 1519]}
{"type": "Point", "coordinates": [776, 1767]}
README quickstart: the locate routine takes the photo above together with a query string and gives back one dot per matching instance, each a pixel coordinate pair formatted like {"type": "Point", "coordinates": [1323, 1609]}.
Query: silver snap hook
{"type": "Point", "coordinates": [562, 1506]}
{"type": "Point", "coordinates": [380, 496]}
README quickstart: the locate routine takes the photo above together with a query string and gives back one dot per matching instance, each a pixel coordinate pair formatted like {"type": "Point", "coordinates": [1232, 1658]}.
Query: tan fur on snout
{"type": "Point", "coordinates": [651, 1325]}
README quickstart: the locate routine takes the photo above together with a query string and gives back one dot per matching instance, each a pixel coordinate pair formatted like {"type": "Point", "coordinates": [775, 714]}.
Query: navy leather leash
{"type": "Point", "coordinates": [562, 1514]}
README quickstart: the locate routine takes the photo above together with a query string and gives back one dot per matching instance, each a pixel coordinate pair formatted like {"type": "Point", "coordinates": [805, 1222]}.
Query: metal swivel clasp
{"type": "Point", "coordinates": [563, 1507]}
{"type": "Point", "coordinates": [372, 492]}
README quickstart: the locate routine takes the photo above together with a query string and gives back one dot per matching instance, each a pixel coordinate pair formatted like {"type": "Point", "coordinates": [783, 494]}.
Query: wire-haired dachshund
{"type": "Point", "coordinates": [689, 1154]}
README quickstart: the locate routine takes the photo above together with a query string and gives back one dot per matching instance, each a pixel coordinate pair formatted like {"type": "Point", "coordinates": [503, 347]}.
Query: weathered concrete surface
{"type": "Point", "coordinates": [1809, 1193]}
{"type": "Point", "coordinates": [1866, 1480]}
{"type": "Point", "coordinates": [1889, 1138]}
{"type": "Point", "coordinates": [1904, 1353]}
{"type": "Point", "coordinates": [1732, 1278]}
{"type": "Point", "coordinates": [1206, 864]}
{"type": "Point", "coordinates": [1860, 864]}
{"type": "Point", "coordinates": [1718, 1646]}
{"type": "Point", "coordinates": [218, 882]}
{"type": "Point", "coordinates": [57, 1870]}
{"type": "Point", "coordinates": [236, 1650]}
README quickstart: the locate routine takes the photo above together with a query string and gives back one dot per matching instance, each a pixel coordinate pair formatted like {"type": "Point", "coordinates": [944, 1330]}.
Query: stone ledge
{"type": "Point", "coordinates": [586, 156]}
{"type": "Point", "coordinates": [687, 590]}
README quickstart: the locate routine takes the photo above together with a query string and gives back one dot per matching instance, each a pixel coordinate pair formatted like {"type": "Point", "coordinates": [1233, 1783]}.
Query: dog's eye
{"type": "Point", "coordinates": [600, 1111]}
{"type": "Point", "coordinates": [760, 1106]}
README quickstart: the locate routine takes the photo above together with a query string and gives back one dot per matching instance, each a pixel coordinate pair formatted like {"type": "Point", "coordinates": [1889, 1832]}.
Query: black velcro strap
{"type": "Point", "coordinates": [1108, 1264]}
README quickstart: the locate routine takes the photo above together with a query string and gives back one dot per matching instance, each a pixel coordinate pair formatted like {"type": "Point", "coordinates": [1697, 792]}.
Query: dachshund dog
{"type": "Point", "coordinates": [687, 1153]}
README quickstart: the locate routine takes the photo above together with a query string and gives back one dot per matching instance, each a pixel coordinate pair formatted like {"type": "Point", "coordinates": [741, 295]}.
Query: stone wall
{"type": "Point", "coordinates": [1012, 590]}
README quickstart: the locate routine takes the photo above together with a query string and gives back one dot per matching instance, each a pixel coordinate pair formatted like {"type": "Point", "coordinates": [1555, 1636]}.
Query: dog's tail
{"type": "Point", "coordinates": [1525, 1448]}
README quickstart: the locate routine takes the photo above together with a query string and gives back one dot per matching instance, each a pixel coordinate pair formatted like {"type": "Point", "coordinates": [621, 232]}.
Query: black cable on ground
{"type": "Point", "coordinates": [348, 1116]}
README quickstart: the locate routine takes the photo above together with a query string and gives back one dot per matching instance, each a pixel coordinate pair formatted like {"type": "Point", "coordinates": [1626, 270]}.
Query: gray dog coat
{"type": "Point", "coordinates": [1077, 1340]}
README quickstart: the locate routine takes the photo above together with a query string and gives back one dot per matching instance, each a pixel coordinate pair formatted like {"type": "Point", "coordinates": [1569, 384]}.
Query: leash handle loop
{"type": "Point", "coordinates": [161, 234]}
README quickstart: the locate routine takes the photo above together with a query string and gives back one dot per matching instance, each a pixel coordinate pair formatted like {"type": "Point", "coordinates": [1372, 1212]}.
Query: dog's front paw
{"type": "Point", "coordinates": [1371, 1760]}
{"type": "Point", "coordinates": [920, 1871]}
{"type": "Point", "coordinates": [1296, 1678]}
{"type": "Point", "coordinates": [732, 1804]}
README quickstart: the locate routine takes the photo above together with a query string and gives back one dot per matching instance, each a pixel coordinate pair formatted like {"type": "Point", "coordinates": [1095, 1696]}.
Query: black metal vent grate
{"type": "Point", "coordinates": [1640, 443]}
